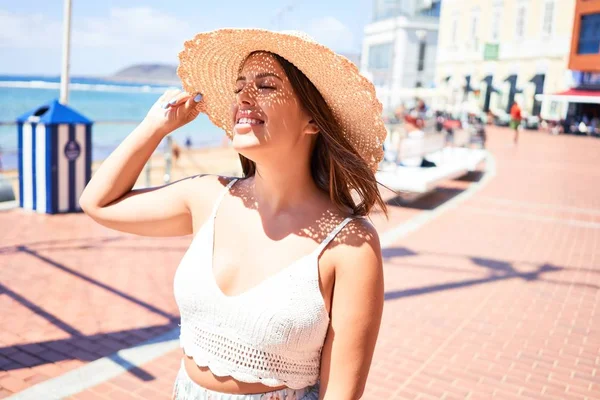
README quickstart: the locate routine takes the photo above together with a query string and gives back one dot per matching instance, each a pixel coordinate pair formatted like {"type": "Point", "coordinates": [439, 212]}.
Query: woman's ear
{"type": "Point", "coordinates": [311, 128]}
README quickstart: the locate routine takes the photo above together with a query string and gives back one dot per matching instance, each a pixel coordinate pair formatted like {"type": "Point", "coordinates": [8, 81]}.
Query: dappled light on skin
{"type": "Point", "coordinates": [264, 94]}
{"type": "Point", "coordinates": [355, 233]}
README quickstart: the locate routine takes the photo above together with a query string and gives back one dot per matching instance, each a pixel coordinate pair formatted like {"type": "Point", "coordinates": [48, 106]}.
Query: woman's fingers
{"type": "Point", "coordinates": [177, 100]}
{"type": "Point", "coordinates": [194, 105]}
{"type": "Point", "coordinates": [169, 94]}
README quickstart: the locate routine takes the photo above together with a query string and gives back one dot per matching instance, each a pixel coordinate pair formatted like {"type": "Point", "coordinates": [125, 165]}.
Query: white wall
{"type": "Point", "coordinates": [402, 32]}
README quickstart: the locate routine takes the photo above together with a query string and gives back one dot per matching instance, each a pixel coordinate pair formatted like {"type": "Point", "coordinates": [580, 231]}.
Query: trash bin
{"type": "Point", "coordinates": [55, 158]}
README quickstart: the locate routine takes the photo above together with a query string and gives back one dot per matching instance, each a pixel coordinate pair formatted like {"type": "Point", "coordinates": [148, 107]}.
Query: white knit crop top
{"type": "Point", "coordinates": [272, 333]}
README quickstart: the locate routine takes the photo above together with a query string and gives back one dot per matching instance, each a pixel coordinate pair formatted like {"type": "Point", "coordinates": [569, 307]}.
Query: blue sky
{"type": "Point", "coordinates": [109, 35]}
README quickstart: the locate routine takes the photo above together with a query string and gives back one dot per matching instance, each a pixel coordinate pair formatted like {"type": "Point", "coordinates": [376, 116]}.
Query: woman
{"type": "Point", "coordinates": [281, 290]}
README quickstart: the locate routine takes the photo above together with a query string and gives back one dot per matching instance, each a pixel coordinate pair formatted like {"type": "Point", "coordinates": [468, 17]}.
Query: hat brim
{"type": "Point", "coordinates": [210, 62]}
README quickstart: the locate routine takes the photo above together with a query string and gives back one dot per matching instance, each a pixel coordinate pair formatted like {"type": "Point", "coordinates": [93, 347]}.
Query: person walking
{"type": "Point", "coordinates": [515, 120]}
{"type": "Point", "coordinates": [281, 289]}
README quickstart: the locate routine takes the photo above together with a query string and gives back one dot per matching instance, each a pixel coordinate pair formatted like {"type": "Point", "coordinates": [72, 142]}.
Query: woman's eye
{"type": "Point", "coordinates": [236, 91]}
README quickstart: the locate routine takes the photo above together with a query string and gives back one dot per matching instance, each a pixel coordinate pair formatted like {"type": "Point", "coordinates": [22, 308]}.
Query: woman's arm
{"type": "Point", "coordinates": [109, 199]}
{"type": "Point", "coordinates": [357, 305]}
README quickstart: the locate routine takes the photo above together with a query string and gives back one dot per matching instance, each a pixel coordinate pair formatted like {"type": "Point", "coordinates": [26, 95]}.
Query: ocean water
{"type": "Point", "coordinates": [97, 99]}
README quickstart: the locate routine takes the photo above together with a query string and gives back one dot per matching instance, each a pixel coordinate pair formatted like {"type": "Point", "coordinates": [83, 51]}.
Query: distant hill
{"type": "Point", "coordinates": [148, 73]}
{"type": "Point", "coordinates": [167, 73]}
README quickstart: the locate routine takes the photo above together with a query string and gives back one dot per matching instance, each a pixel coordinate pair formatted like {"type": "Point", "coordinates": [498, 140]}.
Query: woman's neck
{"type": "Point", "coordinates": [278, 190]}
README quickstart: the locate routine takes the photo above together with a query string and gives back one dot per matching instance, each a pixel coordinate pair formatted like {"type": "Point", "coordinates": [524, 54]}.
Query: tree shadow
{"type": "Point", "coordinates": [494, 265]}
{"type": "Point", "coordinates": [392, 252]}
{"type": "Point", "coordinates": [90, 242]}
{"type": "Point", "coordinates": [97, 283]}
{"type": "Point", "coordinates": [498, 270]}
{"type": "Point", "coordinates": [88, 348]}
{"type": "Point", "coordinates": [527, 276]}
{"type": "Point", "coordinates": [84, 244]}
{"type": "Point", "coordinates": [80, 346]}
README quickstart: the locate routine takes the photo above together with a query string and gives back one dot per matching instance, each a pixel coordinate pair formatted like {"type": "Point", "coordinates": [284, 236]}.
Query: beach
{"type": "Point", "coordinates": [116, 108]}
{"type": "Point", "coordinates": [221, 160]}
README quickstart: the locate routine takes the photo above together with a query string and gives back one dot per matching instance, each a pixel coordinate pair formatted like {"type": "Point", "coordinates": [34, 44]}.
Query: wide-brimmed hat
{"type": "Point", "coordinates": [211, 61]}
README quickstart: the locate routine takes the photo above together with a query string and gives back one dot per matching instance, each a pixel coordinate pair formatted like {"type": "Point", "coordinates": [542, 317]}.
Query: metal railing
{"type": "Point", "coordinates": [164, 152]}
{"type": "Point", "coordinates": [403, 146]}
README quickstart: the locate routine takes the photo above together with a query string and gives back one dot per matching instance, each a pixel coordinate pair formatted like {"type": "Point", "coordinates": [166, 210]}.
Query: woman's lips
{"type": "Point", "coordinates": [245, 126]}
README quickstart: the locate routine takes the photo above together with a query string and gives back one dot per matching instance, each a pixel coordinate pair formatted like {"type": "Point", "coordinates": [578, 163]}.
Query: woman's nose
{"type": "Point", "coordinates": [246, 95]}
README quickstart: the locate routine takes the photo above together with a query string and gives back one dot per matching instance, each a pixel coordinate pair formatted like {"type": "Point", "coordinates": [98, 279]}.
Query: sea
{"type": "Point", "coordinates": [114, 107]}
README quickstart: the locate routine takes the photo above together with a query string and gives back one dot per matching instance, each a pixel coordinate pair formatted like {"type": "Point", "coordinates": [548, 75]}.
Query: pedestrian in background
{"type": "Point", "coordinates": [515, 119]}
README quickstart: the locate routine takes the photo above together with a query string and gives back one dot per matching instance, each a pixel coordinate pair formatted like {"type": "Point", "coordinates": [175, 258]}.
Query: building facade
{"type": "Point", "coordinates": [585, 43]}
{"type": "Point", "coordinates": [399, 49]}
{"type": "Point", "coordinates": [494, 52]}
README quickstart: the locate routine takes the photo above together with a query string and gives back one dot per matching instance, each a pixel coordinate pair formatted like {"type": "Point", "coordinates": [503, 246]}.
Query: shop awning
{"type": "Point", "coordinates": [573, 96]}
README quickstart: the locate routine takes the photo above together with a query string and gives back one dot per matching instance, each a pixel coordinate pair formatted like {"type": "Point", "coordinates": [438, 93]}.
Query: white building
{"type": "Point", "coordinates": [494, 52]}
{"type": "Point", "coordinates": [399, 50]}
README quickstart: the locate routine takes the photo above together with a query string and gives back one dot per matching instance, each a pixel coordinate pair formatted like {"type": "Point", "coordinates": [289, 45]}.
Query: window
{"type": "Point", "coordinates": [430, 8]}
{"type": "Point", "coordinates": [548, 18]}
{"type": "Point", "coordinates": [384, 9]}
{"type": "Point", "coordinates": [589, 34]}
{"type": "Point", "coordinates": [421, 58]}
{"type": "Point", "coordinates": [454, 34]}
{"type": "Point", "coordinates": [380, 56]}
{"type": "Point", "coordinates": [474, 23]}
{"type": "Point", "coordinates": [496, 20]}
{"type": "Point", "coordinates": [521, 19]}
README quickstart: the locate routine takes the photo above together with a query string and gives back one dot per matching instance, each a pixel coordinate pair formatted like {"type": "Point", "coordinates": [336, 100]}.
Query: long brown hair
{"type": "Point", "coordinates": [335, 166]}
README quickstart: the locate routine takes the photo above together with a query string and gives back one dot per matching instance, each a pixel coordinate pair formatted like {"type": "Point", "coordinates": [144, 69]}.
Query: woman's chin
{"type": "Point", "coordinates": [241, 143]}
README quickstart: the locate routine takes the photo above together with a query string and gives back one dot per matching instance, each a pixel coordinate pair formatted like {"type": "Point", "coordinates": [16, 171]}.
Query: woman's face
{"type": "Point", "coordinates": [267, 114]}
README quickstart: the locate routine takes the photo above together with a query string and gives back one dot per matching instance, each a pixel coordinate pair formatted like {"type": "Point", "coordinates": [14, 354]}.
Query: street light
{"type": "Point", "coordinates": [276, 20]}
{"type": "Point", "coordinates": [66, 49]}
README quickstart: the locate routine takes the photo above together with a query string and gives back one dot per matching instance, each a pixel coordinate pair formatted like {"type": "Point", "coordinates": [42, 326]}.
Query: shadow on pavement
{"type": "Point", "coordinates": [428, 202]}
{"type": "Point", "coordinates": [498, 270]}
{"type": "Point", "coordinates": [83, 347]}
{"type": "Point", "coordinates": [79, 346]}
{"type": "Point", "coordinates": [471, 176]}
{"type": "Point", "coordinates": [528, 276]}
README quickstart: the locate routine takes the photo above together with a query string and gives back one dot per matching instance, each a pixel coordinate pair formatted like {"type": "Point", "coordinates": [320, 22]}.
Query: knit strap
{"type": "Point", "coordinates": [331, 235]}
{"type": "Point", "coordinates": [220, 198]}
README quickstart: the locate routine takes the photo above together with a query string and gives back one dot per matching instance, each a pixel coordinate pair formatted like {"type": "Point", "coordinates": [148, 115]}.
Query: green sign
{"type": "Point", "coordinates": [491, 51]}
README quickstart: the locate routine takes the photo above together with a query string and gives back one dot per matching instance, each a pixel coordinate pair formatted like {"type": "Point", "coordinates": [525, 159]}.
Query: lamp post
{"type": "Point", "coordinates": [66, 49]}
{"type": "Point", "coordinates": [279, 14]}
{"type": "Point", "coordinates": [421, 36]}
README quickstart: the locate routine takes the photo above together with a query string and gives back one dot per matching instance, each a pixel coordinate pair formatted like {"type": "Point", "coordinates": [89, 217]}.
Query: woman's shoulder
{"type": "Point", "coordinates": [356, 250]}
{"type": "Point", "coordinates": [360, 232]}
{"type": "Point", "coordinates": [357, 238]}
{"type": "Point", "coordinates": [209, 184]}
{"type": "Point", "coordinates": [202, 191]}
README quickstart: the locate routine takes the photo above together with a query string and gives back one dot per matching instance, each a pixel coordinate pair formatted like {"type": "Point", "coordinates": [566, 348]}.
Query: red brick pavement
{"type": "Point", "coordinates": [499, 296]}
{"type": "Point", "coordinates": [495, 298]}
{"type": "Point", "coordinates": [72, 291]}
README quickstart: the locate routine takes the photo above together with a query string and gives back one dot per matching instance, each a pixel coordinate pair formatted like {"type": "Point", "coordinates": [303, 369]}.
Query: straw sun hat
{"type": "Point", "coordinates": [211, 61]}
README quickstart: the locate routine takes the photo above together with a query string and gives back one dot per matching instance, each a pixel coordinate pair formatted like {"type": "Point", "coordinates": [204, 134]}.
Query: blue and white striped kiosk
{"type": "Point", "coordinates": [55, 158]}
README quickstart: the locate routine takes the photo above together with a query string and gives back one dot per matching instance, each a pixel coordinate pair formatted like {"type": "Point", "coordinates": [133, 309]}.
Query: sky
{"type": "Point", "coordinates": [108, 35]}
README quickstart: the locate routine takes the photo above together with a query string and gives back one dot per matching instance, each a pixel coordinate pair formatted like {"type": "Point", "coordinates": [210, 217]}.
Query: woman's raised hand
{"type": "Point", "coordinates": [174, 109]}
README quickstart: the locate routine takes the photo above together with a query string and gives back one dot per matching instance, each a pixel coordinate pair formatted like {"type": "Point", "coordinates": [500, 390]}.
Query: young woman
{"type": "Point", "coordinates": [281, 289]}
